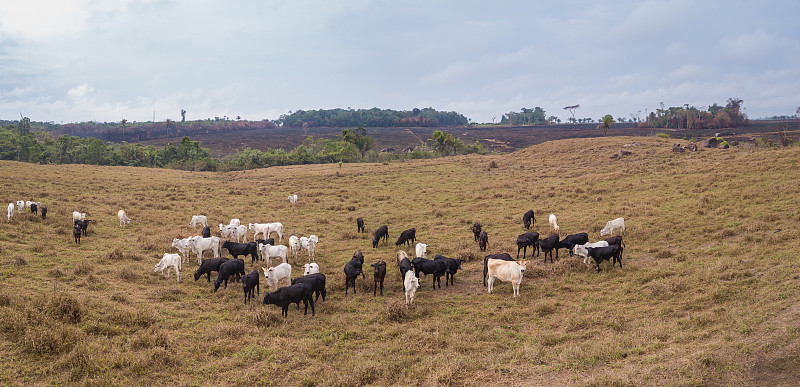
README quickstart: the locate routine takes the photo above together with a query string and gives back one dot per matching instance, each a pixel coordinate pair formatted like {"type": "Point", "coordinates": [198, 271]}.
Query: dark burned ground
{"type": "Point", "coordinates": [496, 139]}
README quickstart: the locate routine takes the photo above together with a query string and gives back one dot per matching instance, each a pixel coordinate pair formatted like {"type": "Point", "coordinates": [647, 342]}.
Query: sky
{"type": "Point", "coordinates": [97, 60]}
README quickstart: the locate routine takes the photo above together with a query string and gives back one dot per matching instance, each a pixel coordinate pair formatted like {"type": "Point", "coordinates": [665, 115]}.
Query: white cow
{"type": "Point", "coordinates": [421, 250]}
{"type": "Point", "coordinates": [198, 219]}
{"type": "Point", "coordinates": [21, 206]}
{"type": "Point", "coordinates": [123, 218]}
{"type": "Point", "coordinates": [581, 251]}
{"type": "Point", "coordinates": [269, 251]}
{"type": "Point", "coordinates": [78, 216]}
{"type": "Point", "coordinates": [239, 233]}
{"type": "Point", "coordinates": [508, 271]}
{"type": "Point", "coordinates": [259, 228]}
{"type": "Point", "coordinates": [411, 284]}
{"type": "Point", "coordinates": [167, 262]}
{"type": "Point", "coordinates": [612, 225]}
{"type": "Point", "coordinates": [274, 275]}
{"type": "Point", "coordinates": [400, 255]}
{"type": "Point", "coordinates": [313, 240]}
{"type": "Point", "coordinates": [10, 210]}
{"type": "Point", "coordinates": [225, 231]}
{"type": "Point", "coordinates": [199, 244]}
{"type": "Point", "coordinates": [183, 247]}
{"type": "Point", "coordinates": [310, 268]}
{"type": "Point", "coordinates": [553, 223]}
{"type": "Point", "coordinates": [294, 246]}
{"type": "Point", "coordinates": [235, 222]}
{"type": "Point", "coordinates": [293, 199]}
{"type": "Point", "coordinates": [277, 228]}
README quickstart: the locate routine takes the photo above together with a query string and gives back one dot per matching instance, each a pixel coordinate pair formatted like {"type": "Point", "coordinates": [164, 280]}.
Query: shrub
{"type": "Point", "coordinates": [663, 135]}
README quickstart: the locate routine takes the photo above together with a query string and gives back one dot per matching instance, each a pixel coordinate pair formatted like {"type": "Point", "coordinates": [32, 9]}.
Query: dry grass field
{"type": "Point", "coordinates": [708, 294]}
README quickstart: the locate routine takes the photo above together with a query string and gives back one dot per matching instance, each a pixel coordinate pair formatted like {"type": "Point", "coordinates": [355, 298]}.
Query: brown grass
{"type": "Point", "coordinates": [707, 289]}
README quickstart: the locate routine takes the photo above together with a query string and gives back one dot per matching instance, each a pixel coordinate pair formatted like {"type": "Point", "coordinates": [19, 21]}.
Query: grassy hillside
{"type": "Point", "coordinates": [707, 294]}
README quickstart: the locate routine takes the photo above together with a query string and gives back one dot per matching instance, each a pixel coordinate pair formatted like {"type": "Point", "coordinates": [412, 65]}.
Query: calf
{"type": "Point", "coordinates": [377, 276]}
{"type": "Point", "coordinates": [183, 247]}
{"type": "Point", "coordinates": [528, 219]}
{"type": "Point", "coordinates": [548, 245]}
{"type": "Point", "coordinates": [452, 267]}
{"type": "Point", "coordinates": [483, 241]}
{"type": "Point", "coordinates": [228, 269]}
{"type": "Point", "coordinates": [476, 230]}
{"type": "Point", "coordinates": [294, 245]}
{"type": "Point", "coordinates": [35, 209]}
{"type": "Point", "coordinates": [167, 262]}
{"type": "Point", "coordinates": [410, 286]}
{"type": "Point", "coordinates": [44, 212]}
{"type": "Point", "coordinates": [198, 219]}
{"type": "Point", "coordinates": [500, 256]}
{"type": "Point", "coordinates": [268, 252]}
{"type": "Point", "coordinates": [508, 272]}
{"type": "Point", "coordinates": [317, 282]}
{"type": "Point", "coordinates": [275, 275]}
{"type": "Point", "coordinates": [287, 295]}
{"type": "Point", "coordinates": [351, 271]}
{"type": "Point", "coordinates": [408, 236]}
{"type": "Point", "coordinates": [570, 241]}
{"type": "Point", "coordinates": [249, 282]}
{"type": "Point", "coordinates": [381, 232]}
{"type": "Point", "coordinates": [245, 249]}
{"type": "Point", "coordinates": [76, 232]}
{"type": "Point", "coordinates": [553, 224]}
{"type": "Point", "coordinates": [530, 238]}
{"type": "Point", "coordinates": [10, 210]}
{"type": "Point", "coordinates": [360, 224]}
{"type": "Point", "coordinates": [206, 233]}
{"type": "Point", "coordinates": [84, 225]}
{"type": "Point", "coordinates": [605, 253]}
{"type": "Point", "coordinates": [426, 266]}
{"type": "Point", "coordinates": [209, 265]}
{"type": "Point", "coordinates": [293, 199]}
{"type": "Point", "coordinates": [123, 218]}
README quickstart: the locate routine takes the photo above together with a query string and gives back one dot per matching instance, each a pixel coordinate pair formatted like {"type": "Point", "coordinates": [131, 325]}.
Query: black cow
{"type": "Point", "coordinates": [528, 219]}
{"type": "Point", "coordinates": [34, 209]}
{"type": "Point", "coordinates": [351, 271]}
{"type": "Point", "coordinates": [476, 231]}
{"type": "Point", "coordinates": [606, 253]}
{"type": "Point", "coordinates": [44, 212]}
{"type": "Point", "coordinates": [405, 265]}
{"type": "Point", "coordinates": [249, 282]}
{"type": "Point", "coordinates": [245, 249]}
{"type": "Point", "coordinates": [207, 266]}
{"type": "Point", "coordinates": [548, 245]}
{"type": "Point", "coordinates": [616, 241]}
{"type": "Point", "coordinates": [287, 295]}
{"type": "Point", "coordinates": [530, 238]}
{"type": "Point", "coordinates": [408, 236]}
{"type": "Point", "coordinates": [503, 256]}
{"type": "Point", "coordinates": [381, 232]}
{"type": "Point", "coordinates": [452, 267]}
{"type": "Point", "coordinates": [360, 224]}
{"type": "Point", "coordinates": [228, 269]}
{"type": "Point", "coordinates": [437, 268]}
{"type": "Point", "coordinates": [377, 276]}
{"type": "Point", "coordinates": [76, 232]}
{"type": "Point", "coordinates": [268, 241]}
{"type": "Point", "coordinates": [84, 225]}
{"type": "Point", "coordinates": [483, 241]}
{"type": "Point", "coordinates": [317, 282]}
{"type": "Point", "coordinates": [206, 232]}
{"type": "Point", "coordinates": [570, 241]}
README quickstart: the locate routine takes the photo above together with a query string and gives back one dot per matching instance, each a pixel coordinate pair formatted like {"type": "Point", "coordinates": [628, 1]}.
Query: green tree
{"type": "Point", "coordinates": [440, 141]}
{"type": "Point", "coordinates": [606, 122]}
{"type": "Point", "coordinates": [358, 137]}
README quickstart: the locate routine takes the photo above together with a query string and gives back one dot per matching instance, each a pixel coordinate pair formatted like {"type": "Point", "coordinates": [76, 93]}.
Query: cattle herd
{"type": "Point", "coordinates": [285, 290]}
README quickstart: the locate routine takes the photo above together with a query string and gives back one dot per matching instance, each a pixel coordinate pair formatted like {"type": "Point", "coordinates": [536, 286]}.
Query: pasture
{"type": "Point", "coordinates": [707, 293]}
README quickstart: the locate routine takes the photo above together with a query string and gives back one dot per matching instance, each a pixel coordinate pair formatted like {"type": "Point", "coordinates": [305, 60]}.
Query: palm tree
{"type": "Point", "coordinates": [606, 122]}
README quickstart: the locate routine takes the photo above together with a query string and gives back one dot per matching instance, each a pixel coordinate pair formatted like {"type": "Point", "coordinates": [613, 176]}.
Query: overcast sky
{"type": "Point", "coordinates": [82, 60]}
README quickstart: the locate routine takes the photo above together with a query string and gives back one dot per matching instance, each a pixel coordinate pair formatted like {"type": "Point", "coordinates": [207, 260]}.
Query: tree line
{"type": "Point", "coordinates": [19, 143]}
{"type": "Point", "coordinates": [338, 118]}
{"type": "Point", "coordinates": [690, 117]}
